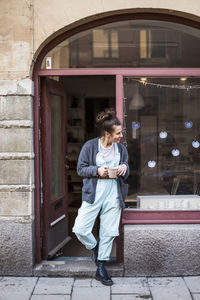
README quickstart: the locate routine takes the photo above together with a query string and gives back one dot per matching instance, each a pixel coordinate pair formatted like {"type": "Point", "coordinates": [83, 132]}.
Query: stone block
{"type": "Point", "coordinates": [16, 87]}
{"type": "Point", "coordinates": [16, 203]}
{"type": "Point", "coordinates": [16, 107]}
{"type": "Point", "coordinates": [130, 297]}
{"type": "Point", "coordinates": [132, 285]}
{"type": "Point", "coordinates": [16, 238]}
{"type": "Point", "coordinates": [16, 288]}
{"type": "Point", "coordinates": [169, 288]}
{"type": "Point", "coordinates": [87, 293]}
{"type": "Point", "coordinates": [53, 286]}
{"type": "Point", "coordinates": [16, 172]}
{"type": "Point", "coordinates": [16, 139]}
{"type": "Point", "coordinates": [162, 250]}
{"type": "Point", "coordinates": [193, 283]}
{"type": "Point", "coordinates": [79, 268]}
{"type": "Point", "coordinates": [51, 297]}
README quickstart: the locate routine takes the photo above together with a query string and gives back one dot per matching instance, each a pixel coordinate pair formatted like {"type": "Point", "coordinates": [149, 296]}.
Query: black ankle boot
{"type": "Point", "coordinates": [95, 253]}
{"type": "Point", "coordinates": [101, 273]}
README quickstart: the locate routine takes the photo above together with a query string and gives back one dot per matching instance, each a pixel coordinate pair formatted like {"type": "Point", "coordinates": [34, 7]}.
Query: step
{"type": "Point", "coordinates": [79, 268]}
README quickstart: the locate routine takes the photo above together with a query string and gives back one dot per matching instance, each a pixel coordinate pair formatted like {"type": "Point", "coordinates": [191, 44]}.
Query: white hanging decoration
{"type": "Point", "coordinates": [151, 163]}
{"type": "Point", "coordinates": [188, 124]}
{"type": "Point", "coordinates": [175, 152]}
{"type": "Point", "coordinates": [195, 144]}
{"type": "Point", "coordinates": [163, 134]}
{"type": "Point", "coordinates": [136, 125]}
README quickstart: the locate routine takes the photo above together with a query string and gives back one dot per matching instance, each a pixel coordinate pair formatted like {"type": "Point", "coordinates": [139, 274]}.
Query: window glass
{"type": "Point", "coordinates": [162, 135]}
{"type": "Point", "coordinates": [56, 146]}
{"type": "Point", "coordinates": [131, 43]}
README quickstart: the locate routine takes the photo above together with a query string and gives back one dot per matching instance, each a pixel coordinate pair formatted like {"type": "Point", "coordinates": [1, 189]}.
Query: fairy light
{"type": "Point", "coordinates": [143, 80]}
{"type": "Point", "coordinates": [183, 79]}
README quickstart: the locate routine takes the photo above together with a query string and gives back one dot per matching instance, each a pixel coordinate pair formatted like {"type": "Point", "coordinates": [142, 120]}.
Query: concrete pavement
{"type": "Point", "coordinates": [124, 288]}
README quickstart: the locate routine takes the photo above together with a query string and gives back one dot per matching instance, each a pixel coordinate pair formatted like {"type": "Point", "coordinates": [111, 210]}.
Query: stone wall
{"type": "Point", "coordinates": [16, 177]}
{"type": "Point", "coordinates": [162, 250]}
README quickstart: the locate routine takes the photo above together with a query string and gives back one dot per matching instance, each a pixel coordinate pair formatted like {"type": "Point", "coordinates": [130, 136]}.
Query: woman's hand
{"type": "Point", "coordinates": [122, 170]}
{"type": "Point", "coordinates": [102, 171]}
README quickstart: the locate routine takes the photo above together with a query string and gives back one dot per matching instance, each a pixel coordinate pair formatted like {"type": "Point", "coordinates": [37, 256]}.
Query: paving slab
{"type": "Point", "coordinates": [130, 297]}
{"type": "Point", "coordinates": [166, 288]}
{"type": "Point", "coordinates": [196, 296]}
{"type": "Point", "coordinates": [97, 293]}
{"type": "Point", "coordinates": [128, 285]}
{"type": "Point", "coordinates": [50, 297]}
{"type": "Point", "coordinates": [193, 283]}
{"type": "Point", "coordinates": [54, 286]}
{"type": "Point", "coordinates": [83, 282]}
{"type": "Point", "coordinates": [16, 288]}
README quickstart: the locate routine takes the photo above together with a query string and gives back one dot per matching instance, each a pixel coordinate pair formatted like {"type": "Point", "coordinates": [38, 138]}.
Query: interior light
{"type": "Point", "coordinates": [151, 163]}
{"type": "Point", "coordinates": [175, 152]}
{"type": "Point", "coordinates": [195, 144]}
{"type": "Point", "coordinates": [183, 79]}
{"type": "Point", "coordinates": [163, 134]}
{"type": "Point", "coordinates": [188, 124]}
{"type": "Point", "coordinates": [136, 125]}
{"type": "Point", "coordinates": [143, 79]}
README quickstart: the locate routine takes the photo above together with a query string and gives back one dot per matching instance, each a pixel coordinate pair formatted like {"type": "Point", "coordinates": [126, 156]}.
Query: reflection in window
{"type": "Point", "coordinates": [105, 43]}
{"type": "Point", "coordinates": [131, 43]}
{"type": "Point", "coordinates": [164, 153]}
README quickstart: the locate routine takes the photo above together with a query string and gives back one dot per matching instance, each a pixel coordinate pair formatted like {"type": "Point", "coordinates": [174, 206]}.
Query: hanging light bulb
{"type": "Point", "coordinates": [175, 152]}
{"type": "Point", "coordinates": [151, 163]}
{"type": "Point", "coordinates": [188, 124]}
{"type": "Point", "coordinates": [137, 100]}
{"type": "Point", "coordinates": [163, 134]}
{"type": "Point", "coordinates": [136, 125]}
{"type": "Point", "coordinates": [195, 144]}
{"type": "Point", "coordinates": [183, 79]}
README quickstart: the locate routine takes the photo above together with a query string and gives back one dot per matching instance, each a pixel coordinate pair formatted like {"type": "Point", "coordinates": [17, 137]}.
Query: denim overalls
{"type": "Point", "coordinates": [107, 202]}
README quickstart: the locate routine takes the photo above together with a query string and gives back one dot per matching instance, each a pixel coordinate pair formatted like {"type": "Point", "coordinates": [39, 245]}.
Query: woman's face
{"type": "Point", "coordinates": [116, 134]}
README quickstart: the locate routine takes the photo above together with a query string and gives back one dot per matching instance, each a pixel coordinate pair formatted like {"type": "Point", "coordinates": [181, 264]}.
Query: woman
{"type": "Point", "coordinates": [100, 193]}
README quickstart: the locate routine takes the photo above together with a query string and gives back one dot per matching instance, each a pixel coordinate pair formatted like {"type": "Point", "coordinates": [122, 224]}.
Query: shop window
{"type": "Point", "coordinates": [128, 44]}
{"type": "Point", "coordinates": [161, 132]}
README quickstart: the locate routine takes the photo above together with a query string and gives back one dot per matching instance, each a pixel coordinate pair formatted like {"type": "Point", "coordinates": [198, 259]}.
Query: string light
{"type": "Point", "coordinates": [159, 85]}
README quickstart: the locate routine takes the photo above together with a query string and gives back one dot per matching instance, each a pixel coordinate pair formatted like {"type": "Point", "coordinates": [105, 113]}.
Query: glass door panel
{"type": "Point", "coordinates": [56, 146]}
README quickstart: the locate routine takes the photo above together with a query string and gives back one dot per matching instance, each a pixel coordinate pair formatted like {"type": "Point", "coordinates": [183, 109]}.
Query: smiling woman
{"type": "Point", "coordinates": [101, 193]}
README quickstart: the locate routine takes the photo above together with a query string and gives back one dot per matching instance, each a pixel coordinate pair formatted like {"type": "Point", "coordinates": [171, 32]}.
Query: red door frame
{"type": "Point", "coordinates": [129, 216]}
{"type": "Point", "coordinates": [49, 213]}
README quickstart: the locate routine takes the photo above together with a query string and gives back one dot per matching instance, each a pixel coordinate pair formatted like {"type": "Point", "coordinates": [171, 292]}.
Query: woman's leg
{"type": "Point", "coordinates": [109, 229]}
{"type": "Point", "coordinates": [84, 223]}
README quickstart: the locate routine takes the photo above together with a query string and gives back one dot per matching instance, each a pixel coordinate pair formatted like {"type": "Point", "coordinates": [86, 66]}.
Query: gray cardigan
{"type": "Point", "coordinates": [87, 169]}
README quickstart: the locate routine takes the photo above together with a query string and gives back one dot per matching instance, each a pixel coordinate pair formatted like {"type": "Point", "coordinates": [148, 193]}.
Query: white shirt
{"type": "Point", "coordinates": [107, 153]}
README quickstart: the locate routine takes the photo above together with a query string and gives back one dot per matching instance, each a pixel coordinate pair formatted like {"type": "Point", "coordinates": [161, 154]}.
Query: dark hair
{"type": "Point", "coordinates": [105, 120]}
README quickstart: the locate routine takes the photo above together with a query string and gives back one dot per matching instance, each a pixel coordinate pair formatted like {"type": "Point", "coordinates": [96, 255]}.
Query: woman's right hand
{"type": "Point", "coordinates": [102, 171]}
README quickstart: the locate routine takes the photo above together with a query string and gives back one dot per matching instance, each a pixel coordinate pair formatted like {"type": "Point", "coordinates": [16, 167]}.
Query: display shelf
{"type": "Point", "coordinates": [75, 127]}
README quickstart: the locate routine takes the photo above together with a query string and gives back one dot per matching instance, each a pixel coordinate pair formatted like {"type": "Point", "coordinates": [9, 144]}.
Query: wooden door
{"type": "Point", "coordinates": [54, 179]}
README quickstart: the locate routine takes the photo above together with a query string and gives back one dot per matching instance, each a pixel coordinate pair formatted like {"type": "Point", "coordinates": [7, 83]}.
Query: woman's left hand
{"type": "Point", "coordinates": [122, 170]}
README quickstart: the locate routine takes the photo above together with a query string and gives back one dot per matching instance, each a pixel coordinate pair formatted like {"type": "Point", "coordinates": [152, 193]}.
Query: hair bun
{"type": "Point", "coordinates": [108, 114]}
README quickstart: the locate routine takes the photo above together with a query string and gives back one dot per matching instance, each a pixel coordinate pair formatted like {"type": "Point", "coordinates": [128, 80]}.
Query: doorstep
{"type": "Point", "coordinates": [80, 268]}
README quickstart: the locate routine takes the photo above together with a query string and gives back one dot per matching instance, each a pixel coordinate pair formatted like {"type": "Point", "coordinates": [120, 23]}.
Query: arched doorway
{"type": "Point", "coordinates": [121, 51]}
